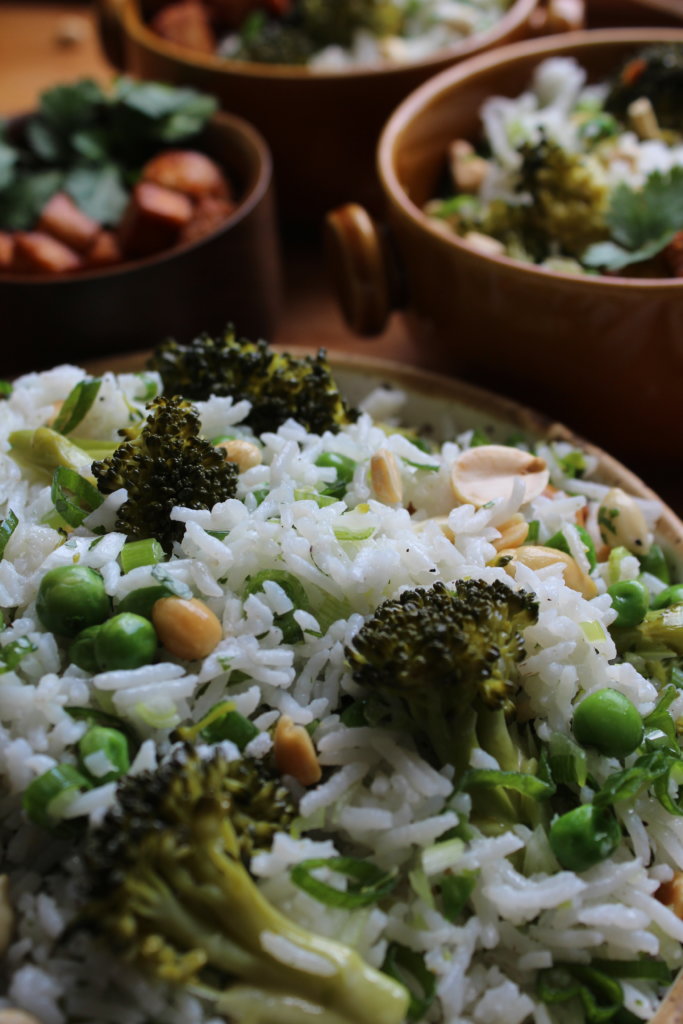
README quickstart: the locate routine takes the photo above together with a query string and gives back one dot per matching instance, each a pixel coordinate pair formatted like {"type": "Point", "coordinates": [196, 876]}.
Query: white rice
{"type": "Point", "coordinates": [379, 799]}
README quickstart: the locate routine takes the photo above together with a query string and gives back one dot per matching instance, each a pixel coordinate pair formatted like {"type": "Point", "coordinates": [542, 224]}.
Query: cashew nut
{"type": "Point", "coordinates": [489, 471]}
{"type": "Point", "coordinates": [294, 752]}
{"type": "Point", "coordinates": [386, 477]}
{"type": "Point", "coordinates": [622, 522]}
{"type": "Point", "coordinates": [513, 532]}
{"type": "Point", "coordinates": [538, 557]}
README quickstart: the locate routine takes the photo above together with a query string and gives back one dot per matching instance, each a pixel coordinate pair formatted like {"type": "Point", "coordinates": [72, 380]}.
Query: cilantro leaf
{"type": "Point", "coordinates": [67, 107]}
{"type": "Point", "coordinates": [8, 160]}
{"type": "Point", "coordinates": [98, 191]}
{"type": "Point", "coordinates": [22, 201]}
{"type": "Point", "coordinates": [642, 221]}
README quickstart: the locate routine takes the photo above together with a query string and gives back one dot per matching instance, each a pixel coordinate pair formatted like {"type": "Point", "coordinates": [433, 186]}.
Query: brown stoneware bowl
{"type": "Point", "coordinates": [322, 126]}
{"type": "Point", "coordinates": [603, 354]}
{"type": "Point", "coordinates": [231, 274]}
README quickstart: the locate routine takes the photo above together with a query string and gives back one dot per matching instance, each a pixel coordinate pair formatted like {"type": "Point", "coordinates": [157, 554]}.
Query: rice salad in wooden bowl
{"type": "Point", "coordinates": [318, 713]}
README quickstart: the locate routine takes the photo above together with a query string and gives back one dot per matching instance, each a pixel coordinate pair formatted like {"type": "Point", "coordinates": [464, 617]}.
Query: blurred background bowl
{"type": "Point", "coordinates": [231, 274]}
{"type": "Point", "coordinates": [603, 354]}
{"type": "Point", "coordinates": [322, 126]}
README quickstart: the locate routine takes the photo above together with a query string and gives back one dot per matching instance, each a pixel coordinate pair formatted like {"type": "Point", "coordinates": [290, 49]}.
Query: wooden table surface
{"type": "Point", "coordinates": [44, 43]}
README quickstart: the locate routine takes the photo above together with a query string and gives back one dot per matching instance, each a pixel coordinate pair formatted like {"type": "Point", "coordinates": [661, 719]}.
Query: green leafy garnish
{"type": "Point", "coordinates": [367, 883]}
{"type": "Point", "coordinates": [642, 221]}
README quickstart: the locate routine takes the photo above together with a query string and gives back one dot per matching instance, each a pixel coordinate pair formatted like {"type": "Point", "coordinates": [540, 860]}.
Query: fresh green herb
{"type": "Point", "coordinates": [5, 389]}
{"type": "Point", "coordinates": [642, 221]}
{"type": "Point", "coordinates": [7, 528]}
{"type": "Point", "coordinates": [13, 652]}
{"type": "Point", "coordinates": [532, 535]}
{"type": "Point", "coordinates": [600, 995]}
{"type": "Point", "coordinates": [76, 406]}
{"type": "Point", "coordinates": [368, 884]}
{"type": "Point", "coordinates": [528, 785]}
{"type": "Point", "coordinates": [408, 967]}
{"type": "Point", "coordinates": [455, 892]}
{"type": "Point", "coordinates": [137, 553]}
{"type": "Point", "coordinates": [573, 464]}
{"type": "Point", "coordinates": [567, 761]}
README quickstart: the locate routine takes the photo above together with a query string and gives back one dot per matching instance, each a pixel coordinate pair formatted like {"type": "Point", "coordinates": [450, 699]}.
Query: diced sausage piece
{"type": "Point", "coordinates": [209, 214]}
{"type": "Point", "coordinates": [673, 255]}
{"type": "Point", "coordinates": [187, 171]}
{"type": "Point", "coordinates": [35, 252]}
{"type": "Point", "coordinates": [62, 219]}
{"type": "Point", "coordinates": [6, 250]}
{"type": "Point", "coordinates": [104, 251]}
{"type": "Point", "coordinates": [186, 24]}
{"type": "Point", "coordinates": [153, 219]}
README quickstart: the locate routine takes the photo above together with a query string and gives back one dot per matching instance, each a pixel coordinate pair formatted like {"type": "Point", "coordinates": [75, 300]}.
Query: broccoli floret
{"type": "Point", "coordinates": [168, 884]}
{"type": "Point", "coordinates": [444, 663]}
{"type": "Point", "coordinates": [336, 23]}
{"type": "Point", "coordinates": [278, 385]}
{"type": "Point", "coordinates": [567, 199]}
{"type": "Point", "coordinates": [273, 41]}
{"type": "Point", "coordinates": [165, 464]}
{"type": "Point", "coordinates": [656, 74]}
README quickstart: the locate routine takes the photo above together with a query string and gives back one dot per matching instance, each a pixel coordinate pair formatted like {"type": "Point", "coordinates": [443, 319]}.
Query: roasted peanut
{"type": "Point", "coordinates": [643, 119]}
{"type": "Point", "coordinates": [294, 752]}
{"type": "Point", "coordinates": [186, 627]}
{"type": "Point", "coordinates": [538, 557]}
{"type": "Point", "coordinates": [671, 894]}
{"type": "Point", "coordinates": [485, 244]}
{"type": "Point", "coordinates": [622, 522]}
{"type": "Point", "coordinates": [489, 471]}
{"type": "Point", "coordinates": [513, 532]}
{"type": "Point", "coordinates": [244, 454]}
{"type": "Point", "coordinates": [386, 478]}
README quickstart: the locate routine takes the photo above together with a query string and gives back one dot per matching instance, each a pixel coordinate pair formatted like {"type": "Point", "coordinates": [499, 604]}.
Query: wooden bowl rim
{"type": "Point", "coordinates": [229, 124]}
{"type": "Point", "coordinates": [429, 385]}
{"type": "Point", "coordinates": [134, 26]}
{"type": "Point", "coordinates": [410, 109]}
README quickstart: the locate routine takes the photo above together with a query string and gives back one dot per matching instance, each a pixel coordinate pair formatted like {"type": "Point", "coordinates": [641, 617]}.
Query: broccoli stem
{"type": "Point", "coordinates": [43, 450]}
{"type": "Point", "coordinates": [250, 1004]}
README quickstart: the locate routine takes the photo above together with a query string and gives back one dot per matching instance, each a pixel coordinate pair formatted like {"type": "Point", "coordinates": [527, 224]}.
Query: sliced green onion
{"type": "Point", "coordinates": [426, 466]}
{"type": "Point", "coordinates": [221, 722]}
{"type": "Point", "coordinates": [95, 716]}
{"type": "Point", "coordinates": [369, 884]}
{"type": "Point", "coordinates": [532, 535]}
{"type": "Point", "coordinates": [657, 769]}
{"type": "Point", "coordinates": [353, 717]}
{"type": "Point", "coordinates": [177, 587]}
{"type": "Point", "coordinates": [149, 387]}
{"type": "Point", "coordinates": [344, 468]}
{"type": "Point", "coordinates": [345, 533]}
{"type": "Point", "coordinates": [294, 589]}
{"type": "Point", "coordinates": [328, 609]}
{"type": "Point", "coordinates": [616, 557]}
{"type": "Point", "coordinates": [408, 967]}
{"type": "Point", "coordinates": [47, 796]}
{"type": "Point", "coordinates": [651, 970]}
{"type": "Point", "coordinates": [76, 406]}
{"type": "Point", "coordinates": [12, 653]}
{"type": "Point", "coordinates": [573, 464]}
{"type": "Point", "coordinates": [321, 499]}
{"type": "Point", "coordinates": [110, 742]}
{"type": "Point", "coordinates": [73, 497]}
{"type": "Point", "coordinates": [455, 892]}
{"type": "Point", "coordinates": [141, 552]}
{"type": "Point", "coordinates": [218, 534]}
{"type": "Point", "coordinates": [567, 761]}
{"type": "Point", "coordinates": [559, 542]}
{"type": "Point", "coordinates": [528, 785]}
{"type": "Point", "coordinates": [479, 438]}
{"type": "Point", "coordinates": [6, 389]}
{"type": "Point", "coordinates": [442, 856]}
{"type": "Point", "coordinates": [601, 996]}
{"type": "Point", "coordinates": [593, 631]}
{"type": "Point", "coordinates": [157, 718]}
{"type": "Point", "coordinates": [7, 528]}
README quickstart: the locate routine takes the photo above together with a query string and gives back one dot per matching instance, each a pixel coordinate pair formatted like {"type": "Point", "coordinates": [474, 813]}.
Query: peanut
{"type": "Point", "coordinates": [244, 454]}
{"type": "Point", "coordinates": [489, 471]}
{"type": "Point", "coordinates": [538, 557]}
{"type": "Point", "coordinates": [643, 119]}
{"type": "Point", "coordinates": [186, 627]}
{"type": "Point", "coordinates": [6, 915]}
{"type": "Point", "coordinates": [513, 532]}
{"type": "Point", "coordinates": [294, 752]}
{"type": "Point", "coordinates": [622, 522]}
{"type": "Point", "coordinates": [671, 894]}
{"type": "Point", "coordinates": [386, 478]}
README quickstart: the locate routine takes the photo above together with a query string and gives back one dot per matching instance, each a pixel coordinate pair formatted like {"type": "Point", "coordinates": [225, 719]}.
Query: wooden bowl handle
{"type": "Point", "coordinates": [362, 267]}
{"type": "Point", "coordinates": [554, 16]}
{"type": "Point", "coordinates": [109, 17]}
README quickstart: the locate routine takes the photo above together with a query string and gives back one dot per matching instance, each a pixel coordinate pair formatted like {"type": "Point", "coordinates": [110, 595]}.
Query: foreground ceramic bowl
{"type": "Point", "coordinates": [322, 127]}
{"type": "Point", "coordinates": [603, 354]}
{"type": "Point", "coordinates": [231, 274]}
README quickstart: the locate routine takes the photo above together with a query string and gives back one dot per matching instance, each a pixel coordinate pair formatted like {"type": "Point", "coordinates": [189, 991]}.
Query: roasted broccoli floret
{"type": "Point", "coordinates": [273, 40]}
{"type": "Point", "coordinates": [165, 464]}
{"type": "Point", "coordinates": [567, 199]}
{"type": "Point", "coordinates": [655, 74]}
{"type": "Point", "coordinates": [168, 884]}
{"type": "Point", "coordinates": [279, 386]}
{"type": "Point", "coordinates": [336, 23]}
{"type": "Point", "coordinates": [444, 662]}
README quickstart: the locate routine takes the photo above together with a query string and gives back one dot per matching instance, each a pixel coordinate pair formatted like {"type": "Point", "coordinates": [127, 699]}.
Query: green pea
{"type": "Point", "coordinates": [125, 641]}
{"type": "Point", "coordinates": [559, 542]}
{"type": "Point", "coordinates": [45, 797]}
{"type": "Point", "coordinates": [656, 564]}
{"type": "Point", "coordinates": [113, 744]}
{"type": "Point", "coordinates": [672, 595]}
{"type": "Point", "coordinates": [609, 721]}
{"type": "Point", "coordinates": [141, 601]}
{"type": "Point", "coordinates": [71, 598]}
{"type": "Point", "coordinates": [630, 600]}
{"type": "Point", "coordinates": [82, 650]}
{"type": "Point", "coordinates": [584, 837]}
{"type": "Point", "coordinates": [345, 468]}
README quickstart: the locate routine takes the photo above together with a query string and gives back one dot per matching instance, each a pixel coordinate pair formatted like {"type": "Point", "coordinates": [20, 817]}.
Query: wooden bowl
{"type": "Point", "coordinates": [232, 274]}
{"type": "Point", "coordinates": [322, 126]}
{"type": "Point", "coordinates": [603, 354]}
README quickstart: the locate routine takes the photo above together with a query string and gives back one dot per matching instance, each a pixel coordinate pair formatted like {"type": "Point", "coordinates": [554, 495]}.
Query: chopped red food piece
{"type": "Point", "coordinates": [153, 219]}
{"type": "Point", "coordinates": [187, 171]}
{"type": "Point", "coordinates": [63, 219]}
{"type": "Point", "coordinates": [186, 24]}
{"type": "Point", "coordinates": [35, 252]}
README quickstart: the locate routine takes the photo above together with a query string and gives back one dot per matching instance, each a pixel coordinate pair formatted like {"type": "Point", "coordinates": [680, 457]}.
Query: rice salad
{"type": "Point", "coordinates": [478, 917]}
{"type": "Point", "coordinates": [577, 177]}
